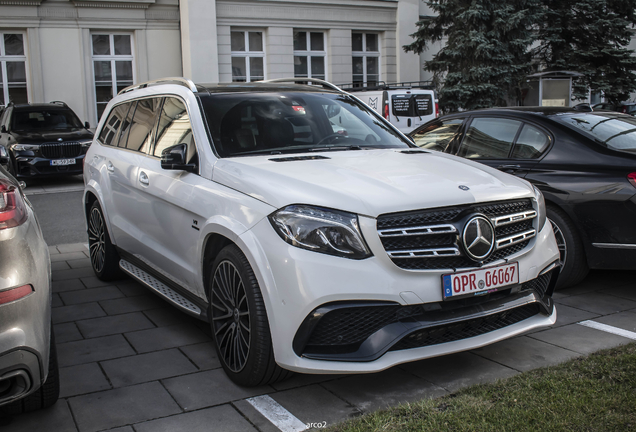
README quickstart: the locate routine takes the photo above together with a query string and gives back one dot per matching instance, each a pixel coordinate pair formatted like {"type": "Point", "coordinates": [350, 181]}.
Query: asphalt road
{"type": "Point", "coordinates": [61, 217]}
{"type": "Point", "coordinates": [58, 206]}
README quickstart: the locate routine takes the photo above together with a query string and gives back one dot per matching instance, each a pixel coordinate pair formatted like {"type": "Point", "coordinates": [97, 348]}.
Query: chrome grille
{"type": "Point", "coordinates": [61, 150]}
{"type": "Point", "coordinates": [430, 239]}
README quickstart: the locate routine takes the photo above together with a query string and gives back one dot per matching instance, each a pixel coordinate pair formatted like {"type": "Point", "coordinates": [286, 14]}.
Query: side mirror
{"type": "Point", "coordinates": [3, 129]}
{"type": "Point", "coordinates": [87, 125]}
{"type": "Point", "coordinates": [174, 158]}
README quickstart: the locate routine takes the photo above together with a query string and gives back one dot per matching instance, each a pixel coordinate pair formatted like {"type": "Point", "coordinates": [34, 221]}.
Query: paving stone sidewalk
{"type": "Point", "coordinates": [131, 362]}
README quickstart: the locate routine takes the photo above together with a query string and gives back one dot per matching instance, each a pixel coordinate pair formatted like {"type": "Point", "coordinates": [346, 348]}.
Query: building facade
{"type": "Point", "coordinates": [83, 52]}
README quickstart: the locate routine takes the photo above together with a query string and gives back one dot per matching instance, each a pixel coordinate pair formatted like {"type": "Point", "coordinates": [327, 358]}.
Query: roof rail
{"type": "Point", "coordinates": [323, 83]}
{"type": "Point", "coordinates": [170, 80]}
{"type": "Point", "coordinates": [59, 103]}
{"type": "Point", "coordinates": [381, 85]}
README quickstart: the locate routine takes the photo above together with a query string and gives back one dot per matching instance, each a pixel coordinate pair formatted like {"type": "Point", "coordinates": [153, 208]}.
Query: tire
{"type": "Point", "coordinates": [574, 263]}
{"type": "Point", "coordinates": [104, 256]}
{"type": "Point", "coordinates": [46, 395]}
{"type": "Point", "coordinates": [239, 323]}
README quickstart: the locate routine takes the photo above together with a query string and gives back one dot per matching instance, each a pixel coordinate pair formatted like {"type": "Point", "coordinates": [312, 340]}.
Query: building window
{"type": "Point", "coordinates": [13, 79]}
{"type": "Point", "coordinates": [365, 48]}
{"type": "Point", "coordinates": [112, 66]}
{"type": "Point", "coordinates": [309, 54]}
{"type": "Point", "coordinates": [247, 56]}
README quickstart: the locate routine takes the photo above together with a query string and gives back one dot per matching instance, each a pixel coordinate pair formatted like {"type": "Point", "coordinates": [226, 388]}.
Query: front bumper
{"type": "Point", "coordinates": [25, 324]}
{"type": "Point", "coordinates": [34, 166]}
{"type": "Point", "coordinates": [296, 283]}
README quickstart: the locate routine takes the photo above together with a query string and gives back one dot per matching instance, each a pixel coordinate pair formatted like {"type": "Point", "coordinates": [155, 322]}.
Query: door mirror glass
{"type": "Point", "coordinates": [3, 129]}
{"type": "Point", "coordinates": [174, 158]}
{"type": "Point", "coordinates": [87, 125]}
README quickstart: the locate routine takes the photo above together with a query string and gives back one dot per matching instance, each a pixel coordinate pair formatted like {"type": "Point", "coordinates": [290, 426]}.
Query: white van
{"type": "Point", "coordinates": [405, 105]}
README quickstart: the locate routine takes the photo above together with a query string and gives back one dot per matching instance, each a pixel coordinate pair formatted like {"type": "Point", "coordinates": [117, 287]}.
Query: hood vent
{"type": "Point", "coordinates": [297, 158]}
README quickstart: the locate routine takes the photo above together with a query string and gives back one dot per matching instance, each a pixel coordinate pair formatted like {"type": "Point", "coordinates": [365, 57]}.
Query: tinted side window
{"type": "Point", "coordinates": [531, 143]}
{"type": "Point", "coordinates": [125, 125]}
{"type": "Point", "coordinates": [439, 135]}
{"type": "Point", "coordinates": [174, 128]}
{"type": "Point", "coordinates": [140, 135]}
{"type": "Point", "coordinates": [112, 125]}
{"type": "Point", "coordinates": [489, 138]}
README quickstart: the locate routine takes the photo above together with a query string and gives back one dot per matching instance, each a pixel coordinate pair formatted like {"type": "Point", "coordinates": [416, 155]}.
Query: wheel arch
{"type": "Point", "coordinates": [222, 233]}
{"type": "Point", "coordinates": [92, 193]}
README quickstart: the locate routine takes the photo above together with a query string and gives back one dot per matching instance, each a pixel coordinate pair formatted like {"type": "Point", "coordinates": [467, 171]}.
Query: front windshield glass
{"type": "Point", "coordinates": [615, 131]}
{"type": "Point", "coordinates": [290, 122]}
{"type": "Point", "coordinates": [44, 119]}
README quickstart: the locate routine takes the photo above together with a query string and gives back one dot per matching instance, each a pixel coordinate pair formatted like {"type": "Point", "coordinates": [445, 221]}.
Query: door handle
{"type": "Point", "coordinates": [143, 178]}
{"type": "Point", "coordinates": [110, 167]}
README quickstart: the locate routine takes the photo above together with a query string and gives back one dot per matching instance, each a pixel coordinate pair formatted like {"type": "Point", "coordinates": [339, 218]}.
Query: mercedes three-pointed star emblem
{"type": "Point", "coordinates": [479, 238]}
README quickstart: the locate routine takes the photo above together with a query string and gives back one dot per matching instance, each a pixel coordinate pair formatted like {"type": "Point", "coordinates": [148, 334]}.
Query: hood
{"type": "Point", "coordinates": [35, 137]}
{"type": "Point", "coordinates": [369, 182]}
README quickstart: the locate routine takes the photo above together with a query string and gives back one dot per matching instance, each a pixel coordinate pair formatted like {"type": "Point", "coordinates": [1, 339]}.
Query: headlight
{"type": "Point", "coordinates": [538, 196]}
{"type": "Point", "coordinates": [26, 147]}
{"type": "Point", "coordinates": [86, 144]}
{"type": "Point", "coordinates": [3, 152]}
{"type": "Point", "coordinates": [322, 230]}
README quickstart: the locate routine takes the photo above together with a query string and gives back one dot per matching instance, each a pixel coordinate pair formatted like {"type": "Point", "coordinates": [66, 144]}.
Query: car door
{"type": "Point", "coordinates": [509, 145]}
{"type": "Point", "coordinates": [167, 204]}
{"type": "Point", "coordinates": [118, 166]}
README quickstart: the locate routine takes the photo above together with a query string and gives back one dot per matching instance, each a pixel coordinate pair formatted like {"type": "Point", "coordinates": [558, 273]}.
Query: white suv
{"type": "Point", "coordinates": [310, 233]}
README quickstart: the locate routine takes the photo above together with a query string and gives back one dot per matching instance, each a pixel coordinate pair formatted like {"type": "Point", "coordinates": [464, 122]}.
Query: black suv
{"type": "Point", "coordinates": [42, 139]}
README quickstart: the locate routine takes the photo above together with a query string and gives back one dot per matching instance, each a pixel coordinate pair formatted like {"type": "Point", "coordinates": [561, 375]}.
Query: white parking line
{"type": "Point", "coordinates": [274, 412]}
{"type": "Point", "coordinates": [609, 329]}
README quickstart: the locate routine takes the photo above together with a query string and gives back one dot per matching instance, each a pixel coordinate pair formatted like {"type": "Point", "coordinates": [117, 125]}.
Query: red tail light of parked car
{"type": "Point", "coordinates": [12, 208]}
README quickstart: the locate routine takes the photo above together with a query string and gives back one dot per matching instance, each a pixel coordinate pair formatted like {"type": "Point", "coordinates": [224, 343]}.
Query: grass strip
{"type": "Point", "coordinates": [592, 393]}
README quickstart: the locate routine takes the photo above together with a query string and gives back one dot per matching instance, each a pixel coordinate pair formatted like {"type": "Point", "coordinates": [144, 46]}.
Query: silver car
{"type": "Point", "coordinates": [28, 362]}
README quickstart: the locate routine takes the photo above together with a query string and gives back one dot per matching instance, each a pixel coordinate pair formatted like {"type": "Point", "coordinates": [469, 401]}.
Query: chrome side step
{"type": "Point", "coordinates": [160, 288]}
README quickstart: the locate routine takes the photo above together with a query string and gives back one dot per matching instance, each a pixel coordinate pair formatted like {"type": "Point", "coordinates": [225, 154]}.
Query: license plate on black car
{"type": "Point", "coordinates": [57, 162]}
{"type": "Point", "coordinates": [480, 281]}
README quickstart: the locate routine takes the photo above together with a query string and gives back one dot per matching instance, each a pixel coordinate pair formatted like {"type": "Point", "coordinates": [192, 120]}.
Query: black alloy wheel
{"type": "Point", "coordinates": [96, 246]}
{"type": "Point", "coordinates": [560, 240]}
{"type": "Point", "coordinates": [232, 326]}
{"type": "Point", "coordinates": [239, 323]}
{"type": "Point", "coordinates": [574, 266]}
{"type": "Point", "coordinates": [104, 256]}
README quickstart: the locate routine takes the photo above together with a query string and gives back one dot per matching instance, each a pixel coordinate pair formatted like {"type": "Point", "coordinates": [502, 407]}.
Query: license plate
{"type": "Point", "coordinates": [56, 162]}
{"type": "Point", "coordinates": [480, 281]}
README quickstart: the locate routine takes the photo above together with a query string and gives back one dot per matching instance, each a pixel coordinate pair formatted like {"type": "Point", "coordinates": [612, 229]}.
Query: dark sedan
{"type": "Point", "coordinates": [583, 162]}
{"type": "Point", "coordinates": [42, 139]}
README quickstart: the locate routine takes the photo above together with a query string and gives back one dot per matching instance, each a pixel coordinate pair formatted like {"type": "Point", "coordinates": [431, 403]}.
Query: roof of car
{"type": "Point", "coordinates": [260, 87]}
{"type": "Point", "coordinates": [23, 106]}
{"type": "Point", "coordinates": [541, 110]}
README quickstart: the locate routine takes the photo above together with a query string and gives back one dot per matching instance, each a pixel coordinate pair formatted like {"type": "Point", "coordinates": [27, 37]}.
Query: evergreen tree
{"type": "Point", "coordinates": [486, 57]}
{"type": "Point", "coordinates": [590, 37]}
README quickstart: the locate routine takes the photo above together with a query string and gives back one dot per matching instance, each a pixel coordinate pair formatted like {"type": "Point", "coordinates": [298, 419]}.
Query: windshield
{"type": "Point", "coordinates": [615, 131]}
{"type": "Point", "coordinates": [44, 119]}
{"type": "Point", "coordinates": [291, 122]}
